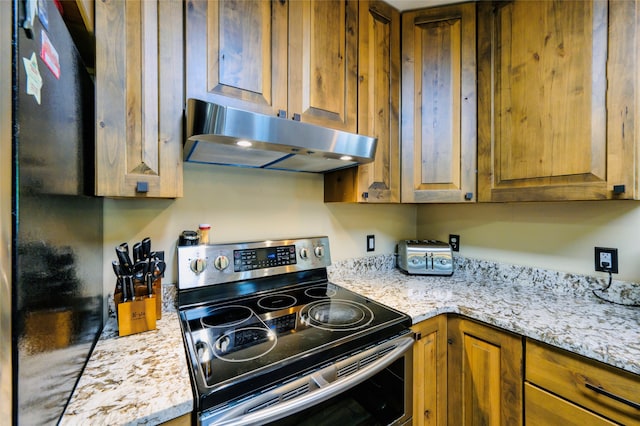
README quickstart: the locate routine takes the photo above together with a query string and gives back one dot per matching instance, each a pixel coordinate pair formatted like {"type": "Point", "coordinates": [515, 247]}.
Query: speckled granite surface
{"type": "Point", "coordinates": [553, 307]}
{"type": "Point", "coordinates": [143, 378]}
{"type": "Point", "coordinates": [137, 379]}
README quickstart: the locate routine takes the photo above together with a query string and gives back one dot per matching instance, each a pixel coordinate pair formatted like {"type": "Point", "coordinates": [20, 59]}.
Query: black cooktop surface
{"type": "Point", "coordinates": [241, 344]}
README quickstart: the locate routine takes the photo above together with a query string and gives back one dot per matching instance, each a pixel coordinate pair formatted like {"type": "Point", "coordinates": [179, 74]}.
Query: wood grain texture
{"type": "Point", "coordinates": [485, 375]}
{"type": "Point", "coordinates": [323, 62]}
{"type": "Point", "coordinates": [237, 53]}
{"type": "Point", "coordinates": [554, 91]}
{"type": "Point", "coordinates": [439, 104]}
{"type": "Point", "coordinates": [430, 373]}
{"type": "Point", "coordinates": [378, 109]}
{"type": "Point", "coordinates": [543, 408]}
{"type": "Point", "coordinates": [138, 103]}
{"type": "Point", "coordinates": [566, 375]}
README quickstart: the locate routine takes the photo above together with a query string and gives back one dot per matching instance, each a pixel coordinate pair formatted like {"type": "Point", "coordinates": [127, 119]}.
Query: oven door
{"type": "Point", "coordinates": [373, 387]}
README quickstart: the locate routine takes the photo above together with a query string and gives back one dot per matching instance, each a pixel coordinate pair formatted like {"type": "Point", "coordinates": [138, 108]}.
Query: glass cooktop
{"type": "Point", "coordinates": [255, 338]}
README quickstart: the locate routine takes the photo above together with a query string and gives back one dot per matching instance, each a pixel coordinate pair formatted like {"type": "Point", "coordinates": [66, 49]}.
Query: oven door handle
{"type": "Point", "coordinates": [326, 390]}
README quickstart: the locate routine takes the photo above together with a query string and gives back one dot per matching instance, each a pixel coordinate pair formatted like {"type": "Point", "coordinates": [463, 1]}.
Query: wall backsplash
{"type": "Point", "coordinates": [247, 204]}
{"type": "Point", "coordinates": [559, 236]}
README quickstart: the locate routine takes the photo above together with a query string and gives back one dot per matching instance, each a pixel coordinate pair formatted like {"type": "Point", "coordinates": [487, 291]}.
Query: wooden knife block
{"type": "Point", "coordinates": [137, 316]}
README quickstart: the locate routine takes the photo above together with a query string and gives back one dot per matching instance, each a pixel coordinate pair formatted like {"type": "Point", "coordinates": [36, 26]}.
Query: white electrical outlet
{"type": "Point", "coordinates": [605, 259]}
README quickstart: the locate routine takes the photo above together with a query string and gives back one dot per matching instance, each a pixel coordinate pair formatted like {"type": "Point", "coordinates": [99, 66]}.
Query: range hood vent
{"type": "Point", "coordinates": [223, 135]}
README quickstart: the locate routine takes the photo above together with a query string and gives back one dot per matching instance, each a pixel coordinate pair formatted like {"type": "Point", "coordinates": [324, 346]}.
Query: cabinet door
{"type": "Point", "coordinates": [439, 104]}
{"type": "Point", "coordinates": [323, 37]}
{"type": "Point", "coordinates": [556, 83]}
{"type": "Point", "coordinates": [378, 103]}
{"type": "Point", "coordinates": [236, 53]}
{"type": "Point", "coordinates": [485, 375]}
{"type": "Point", "coordinates": [430, 372]}
{"type": "Point", "coordinates": [139, 98]}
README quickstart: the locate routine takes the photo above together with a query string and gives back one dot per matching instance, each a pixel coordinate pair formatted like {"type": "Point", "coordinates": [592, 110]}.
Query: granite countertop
{"type": "Point", "coordinates": [144, 379]}
{"type": "Point", "coordinates": [553, 307]}
{"type": "Point", "coordinates": [138, 379]}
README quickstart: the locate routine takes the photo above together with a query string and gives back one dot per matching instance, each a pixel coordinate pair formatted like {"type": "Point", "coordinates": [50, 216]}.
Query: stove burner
{"type": "Point", "coordinates": [226, 316]}
{"type": "Point", "coordinates": [320, 292]}
{"type": "Point", "coordinates": [336, 315]}
{"type": "Point", "coordinates": [277, 301]}
{"type": "Point", "coordinates": [244, 344]}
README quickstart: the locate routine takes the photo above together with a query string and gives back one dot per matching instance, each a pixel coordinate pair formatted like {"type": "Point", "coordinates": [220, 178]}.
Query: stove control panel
{"type": "Point", "coordinates": [204, 265]}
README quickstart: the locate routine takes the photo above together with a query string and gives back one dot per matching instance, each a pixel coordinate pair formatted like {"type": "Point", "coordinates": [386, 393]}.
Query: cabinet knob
{"type": "Point", "coordinates": [296, 117]}
{"type": "Point", "coordinates": [618, 189]}
{"type": "Point", "coordinates": [142, 187]}
{"type": "Point", "coordinates": [282, 113]}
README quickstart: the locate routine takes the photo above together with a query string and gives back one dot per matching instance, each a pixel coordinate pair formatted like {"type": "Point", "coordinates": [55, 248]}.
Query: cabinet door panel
{"type": "Point", "coordinates": [378, 110]}
{"type": "Point", "coordinates": [439, 105]}
{"type": "Point", "coordinates": [378, 98]}
{"type": "Point", "coordinates": [237, 53]}
{"type": "Point", "coordinates": [323, 62]}
{"type": "Point", "coordinates": [552, 126]}
{"type": "Point", "coordinates": [485, 375]}
{"type": "Point", "coordinates": [430, 373]}
{"type": "Point", "coordinates": [138, 103]}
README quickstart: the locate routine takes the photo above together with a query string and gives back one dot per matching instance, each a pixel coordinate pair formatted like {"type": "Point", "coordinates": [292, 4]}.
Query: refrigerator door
{"type": "Point", "coordinates": [56, 110]}
{"type": "Point", "coordinates": [57, 313]}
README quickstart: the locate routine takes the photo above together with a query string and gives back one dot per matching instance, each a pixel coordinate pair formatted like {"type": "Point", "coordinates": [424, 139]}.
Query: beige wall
{"type": "Point", "coordinates": [247, 204]}
{"type": "Point", "coordinates": [557, 236]}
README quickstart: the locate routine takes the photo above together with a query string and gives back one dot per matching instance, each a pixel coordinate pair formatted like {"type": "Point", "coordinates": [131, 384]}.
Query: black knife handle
{"type": "Point", "coordinates": [146, 247]}
{"type": "Point", "coordinates": [124, 259]}
{"type": "Point", "coordinates": [125, 289]}
{"type": "Point", "coordinates": [150, 284]}
{"type": "Point", "coordinates": [137, 252]}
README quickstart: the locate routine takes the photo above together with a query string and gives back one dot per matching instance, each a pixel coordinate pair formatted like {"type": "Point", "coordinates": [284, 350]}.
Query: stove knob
{"type": "Point", "coordinates": [221, 262]}
{"type": "Point", "coordinates": [319, 251]}
{"type": "Point", "coordinates": [304, 253]}
{"type": "Point", "coordinates": [198, 265]}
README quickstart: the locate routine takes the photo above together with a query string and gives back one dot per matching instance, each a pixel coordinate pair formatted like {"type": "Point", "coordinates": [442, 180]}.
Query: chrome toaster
{"type": "Point", "coordinates": [424, 257]}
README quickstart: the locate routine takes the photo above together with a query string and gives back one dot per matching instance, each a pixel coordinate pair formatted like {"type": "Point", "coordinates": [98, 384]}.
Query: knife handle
{"type": "Point", "coordinates": [125, 290]}
{"type": "Point", "coordinates": [146, 247]}
{"type": "Point", "coordinates": [149, 285]}
{"type": "Point", "coordinates": [124, 259]}
{"type": "Point", "coordinates": [137, 252]}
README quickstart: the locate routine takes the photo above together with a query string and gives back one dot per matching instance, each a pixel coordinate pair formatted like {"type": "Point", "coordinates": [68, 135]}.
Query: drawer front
{"type": "Point", "coordinates": [543, 408]}
{"type": "Point", "coordinates": [611, 392]}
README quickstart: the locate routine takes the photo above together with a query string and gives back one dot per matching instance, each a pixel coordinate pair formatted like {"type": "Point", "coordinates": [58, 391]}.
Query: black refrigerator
{"type": "Point", "coordinates": [55, 295]}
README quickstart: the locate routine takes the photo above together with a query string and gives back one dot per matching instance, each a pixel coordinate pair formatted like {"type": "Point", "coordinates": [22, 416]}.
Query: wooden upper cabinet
{"type": "Point", "coordinates": [237, 53]}
{"type": "Point", "coordinates": [139, 98]}
{"type": "Point", "coordinates": [294, 59]}
{"type": "Point", "coordinates": [323, 62]}
{"type": "Point", "coordinates": [378, 109]}
{"type": "Point", "coordinates": [439, 104]}
{"type": "Point", "coordinates": [556, 90]}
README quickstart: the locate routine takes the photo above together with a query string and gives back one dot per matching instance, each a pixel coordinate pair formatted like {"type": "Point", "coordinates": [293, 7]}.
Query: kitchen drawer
{"type": "Point", "coordinates": [574, 378]}
{"type": "Point", "coordinates": [543, 408]}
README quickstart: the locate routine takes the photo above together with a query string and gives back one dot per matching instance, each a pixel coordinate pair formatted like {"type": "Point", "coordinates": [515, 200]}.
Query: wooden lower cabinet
{"type": "Point", "coordinates": [430, 372]}
{"type": "Point", "coordinates": [544, 408]}
{"type": "Point", "coordinates": [484, 375]}
{"type": "Point", "coordinates": [585, 392]}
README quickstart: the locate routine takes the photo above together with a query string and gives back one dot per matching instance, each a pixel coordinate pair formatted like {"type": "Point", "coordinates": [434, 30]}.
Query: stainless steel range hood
{"type": "Point", "coordinates": [223, 135]}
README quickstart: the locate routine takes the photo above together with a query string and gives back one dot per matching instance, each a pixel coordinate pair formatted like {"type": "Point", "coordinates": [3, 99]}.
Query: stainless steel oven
{"type": "Point", "coordinates": [271, 341]}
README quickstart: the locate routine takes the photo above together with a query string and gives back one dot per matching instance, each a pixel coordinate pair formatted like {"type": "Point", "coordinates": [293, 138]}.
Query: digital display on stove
{"type": "Point", "coordinates": [265, 257]}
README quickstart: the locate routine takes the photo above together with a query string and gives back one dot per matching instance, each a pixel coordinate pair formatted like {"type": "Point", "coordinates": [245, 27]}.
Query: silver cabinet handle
{"type": "Point", "coordinates": [613, 396]}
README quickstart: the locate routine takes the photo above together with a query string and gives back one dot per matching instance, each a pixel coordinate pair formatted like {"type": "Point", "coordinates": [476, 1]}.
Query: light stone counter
{"type": "Point", "coordinates": [144, 379]}
{"type": "Point", "coordinates": [138, 379]}
{"type": "Point", "coordinates": [556, 308]}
